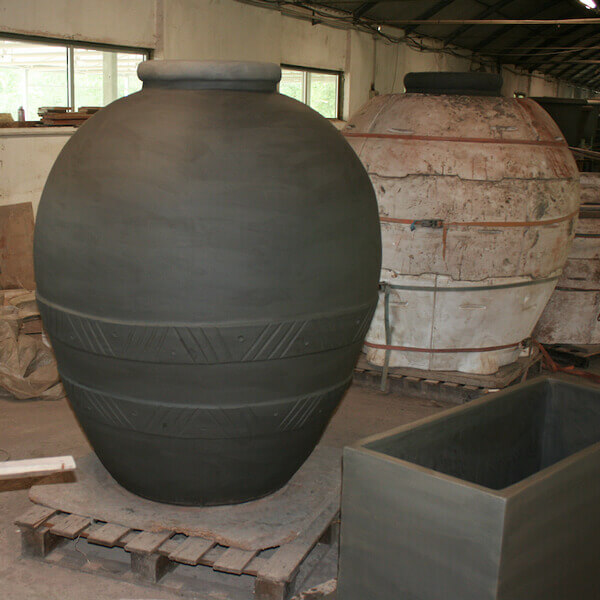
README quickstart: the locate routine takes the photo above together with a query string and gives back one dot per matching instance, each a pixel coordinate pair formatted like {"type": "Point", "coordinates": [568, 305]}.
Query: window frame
{"type": "Point", "coordinates": [70, 46]}
{"type": "Point", "coordinates": [306, 71]}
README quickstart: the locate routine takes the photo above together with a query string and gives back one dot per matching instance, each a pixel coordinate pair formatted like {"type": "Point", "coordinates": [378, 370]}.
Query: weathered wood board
{"type": "Point", "coordinates": [271, 521]}
{"type": "Point", "coordinates": [16, 246]}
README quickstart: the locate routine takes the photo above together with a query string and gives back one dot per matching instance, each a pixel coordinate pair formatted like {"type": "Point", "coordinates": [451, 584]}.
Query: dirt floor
{"type": "Point", "coordinates": [44, 428]}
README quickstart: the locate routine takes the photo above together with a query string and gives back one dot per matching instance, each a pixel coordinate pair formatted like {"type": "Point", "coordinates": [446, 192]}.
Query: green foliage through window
{"type": "Point", "coordinates": [317, 89]}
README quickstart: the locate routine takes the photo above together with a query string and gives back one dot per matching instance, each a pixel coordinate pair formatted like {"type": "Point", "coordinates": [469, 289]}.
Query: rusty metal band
{"type": "Point", "coordinates": [475, 288]}
{"type": "Point", "coordinates": [441, 138]}
{"type": "Point", "coordinates": [488, 223]}
{"type": "Point", "coordinates": [494, 224]}
{"type": "Point", "coordinates": [389, 347]}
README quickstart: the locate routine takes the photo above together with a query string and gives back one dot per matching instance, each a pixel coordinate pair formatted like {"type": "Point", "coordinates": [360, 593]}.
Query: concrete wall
{"type": "Point", "coordinates": [126, 22]}
{"type": "Point", "coordinates": [394, 61]}
{"type": "Point", "coordinates": [226, 29]}
{"type": "Point", "coordinates": [26, 157]}
{"type": "Point", "coordinates": [214, 29]}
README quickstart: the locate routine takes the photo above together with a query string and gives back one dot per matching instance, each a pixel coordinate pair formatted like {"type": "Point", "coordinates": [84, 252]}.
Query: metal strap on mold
{"type": "Point", "coordinates": [442, 138]}
{"type": "Point", "coordinates": [388, 337]}
{"type": "Point", "coordinates": [389, 347]}
{"type": "Point", "coordinates": [444, 350]}
{"type": "Point", "coordinates": [445, 225]}
{"type": "Point", "coordinates": [477, 288]}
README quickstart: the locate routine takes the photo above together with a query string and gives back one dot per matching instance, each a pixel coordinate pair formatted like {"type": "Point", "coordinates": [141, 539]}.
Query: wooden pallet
{"type": "Point", "coordinates": [578, 355]}
{"type": "Point", "coordinates": [57, 537]}
{"type": "Point", "coordinates": [446, 386]}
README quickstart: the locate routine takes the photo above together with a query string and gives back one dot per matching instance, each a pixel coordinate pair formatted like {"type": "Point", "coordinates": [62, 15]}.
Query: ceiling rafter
{"type": "Point", "coordinates": [595, 82]}
{"type": "Point", "coordinates": [494, 9]}
{"type": "Point", "coordinates": [504, 29]}
{"type": "Point", "coordinates": [576, 75]}
{"type": "Point", "coordinates": [537, 61]}
{"type": "Point", "coordinates": [516, 33]}
{"type": "Point", "coordinates": [544, 38]}
{"type": "Point", "coordinates": [430, 12]}
{"type": "Point", "coordinates": [363, 8]}
{"type": "Point", "coordinates": [584, 52]}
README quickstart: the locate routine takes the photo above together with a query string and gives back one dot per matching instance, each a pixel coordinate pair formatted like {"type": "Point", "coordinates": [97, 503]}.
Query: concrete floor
{"type": "Point", "coordinates": [36, 429]}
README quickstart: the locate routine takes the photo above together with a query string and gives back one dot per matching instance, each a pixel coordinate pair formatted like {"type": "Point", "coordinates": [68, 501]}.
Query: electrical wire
{"type": "Point", "coordinates": [341, 18]}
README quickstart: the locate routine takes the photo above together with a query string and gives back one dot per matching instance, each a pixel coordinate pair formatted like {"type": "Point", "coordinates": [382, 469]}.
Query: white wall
{"type": "Point", "coordinates": [229, 30]}
{"type": "Point", "coordinates": [226, 29]}
{"type": "Point", "coordinates": [396, 60]}
{"type": "Point", "coordinates": [215, 29]}
{"type": "Point", "coordinates": [26, 157]}
{"type": "Point", "coordinates": [126, 22]}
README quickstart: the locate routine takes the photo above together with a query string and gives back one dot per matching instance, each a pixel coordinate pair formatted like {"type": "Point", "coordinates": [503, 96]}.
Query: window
{"type": "Point", "coordinates": [319, 89]}
{"type": "Point", "coordinates": [37, 74]}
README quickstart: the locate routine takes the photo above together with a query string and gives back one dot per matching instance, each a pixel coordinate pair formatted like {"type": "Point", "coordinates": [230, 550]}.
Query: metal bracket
{"type": "Point", "coordinates": [432, 223]}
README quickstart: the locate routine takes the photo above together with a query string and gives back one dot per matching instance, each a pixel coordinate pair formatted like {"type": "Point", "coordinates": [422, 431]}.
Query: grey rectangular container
{"type": "Point", "coordinates": [496, 499]}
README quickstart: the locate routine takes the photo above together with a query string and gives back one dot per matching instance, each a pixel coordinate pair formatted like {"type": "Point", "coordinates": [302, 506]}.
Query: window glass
{"type": "Point", "coordinates": [324, 94]}
{"type": "Point", "coordinates": [317, 89]}
{"type": "Point", "coordinates": [101, 77]}
{"type": "Point", "coordinates": [32, 75]}
{"type": "Point", "coordinates": [292, 84]}
{"type": "Point", "coordinates": [127, 65]}
{"type": "Point", "coordinates": [35, 75]}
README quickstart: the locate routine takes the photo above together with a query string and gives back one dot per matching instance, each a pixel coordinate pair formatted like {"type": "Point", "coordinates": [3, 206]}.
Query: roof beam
{"type": "Point", "coordinates": [481, 15]}
{"type": "Point", "coordinates": [543, 40]}
{"type": "Point", "coordinates": [430, 12]}
{"type": "Point", "coordinates": [538, 62]}
{"type": "Point", "coordinates": [576, 75]}
{"type": "Point", "coordinates": [508, 28]}
{"type": "Point", "coordinates": [362, 9]}
{"type": "Point", "coordinates": [592, 43]}
{"type": "Point", "coordinates": [595, 81]}
{"type": "Point", "coordinates": [537, 22]}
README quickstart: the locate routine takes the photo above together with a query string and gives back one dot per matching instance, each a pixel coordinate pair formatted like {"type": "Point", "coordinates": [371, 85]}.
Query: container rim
{"type": "Point", "coordinates": [209, 71]}
{"type": "Point", "coordinates": [364, 445]}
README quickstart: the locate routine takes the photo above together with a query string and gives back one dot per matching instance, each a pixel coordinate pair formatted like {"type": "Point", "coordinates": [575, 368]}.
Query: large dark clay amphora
{"type": "Point", "coordinates": [207, 255]}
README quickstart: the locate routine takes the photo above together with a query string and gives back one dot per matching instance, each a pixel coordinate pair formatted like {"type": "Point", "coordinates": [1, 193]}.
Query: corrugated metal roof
{"type": "Point", "coordinates": [567, 51]}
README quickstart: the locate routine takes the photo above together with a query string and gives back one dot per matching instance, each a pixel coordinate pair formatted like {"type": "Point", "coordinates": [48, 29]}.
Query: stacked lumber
{"type": "Point", "coordinates": [72, 119]}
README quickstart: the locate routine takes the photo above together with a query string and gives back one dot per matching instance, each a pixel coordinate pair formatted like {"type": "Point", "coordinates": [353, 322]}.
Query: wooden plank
{"type": "Point", "coordinates": [255, 565]}
{"type": "Point", "coordinates": [284, 563]}
{"type": "Point", "coordinates": [150, 567]}
{"type": "Point", "coordinates": [15, 469]}
{"type": "Point", "coordinates": [128, 537]}
{"type": "Point", "coordinates": [16, 246]}
{"type": "Point", "coordinates": [450, 384]}
{"type": "Point", "coordinates": [69, 526]}
{"type": "Point", "coordinates": [165, 549]}
{"type": "Point", "coordinates": [108, 535]}
{"type": "Point", "coordinates": [212, 555]}
{"type": "Point", "coordinates": [502, 378]}
{"type": "Point", "coordinates": [267, 589]}
{"type": "Point", "coordinates": [147, 542]}
{"type": "Point", "coordinates": [234, 560]}
{"type": "Point", "coordinates": [38, 542]}
{"type": "Point", "coordinates": [35, 516]}
{"type": "Point", "coordinates": [191, 550]}
{"type": "Point", "coordinates": [32, 326]}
